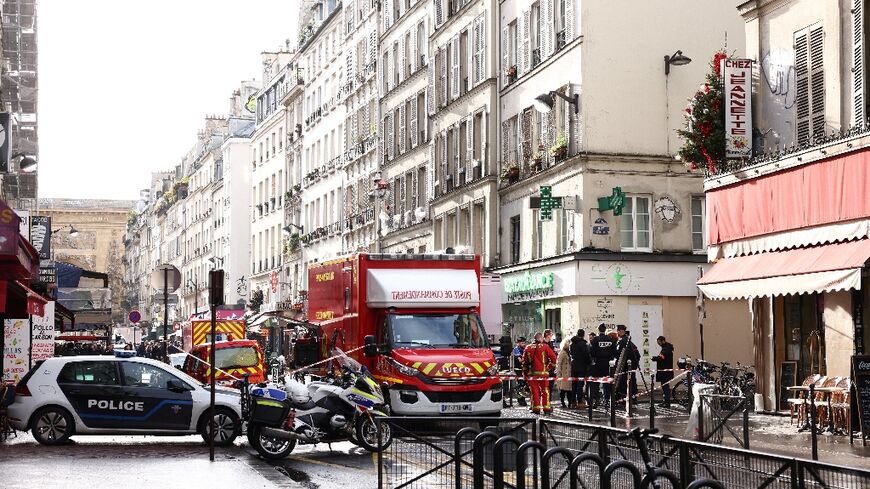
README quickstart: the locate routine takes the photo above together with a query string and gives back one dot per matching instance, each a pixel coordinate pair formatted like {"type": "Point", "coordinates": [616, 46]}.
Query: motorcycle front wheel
{"type": "Point", "coordinates": [367, 434]}
{"type": "Point", "coordinates": [267, 446]}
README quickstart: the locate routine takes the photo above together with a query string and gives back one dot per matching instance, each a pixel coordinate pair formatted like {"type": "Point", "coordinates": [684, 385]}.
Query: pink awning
{"type": "Point", "coordinates": [822, 268]}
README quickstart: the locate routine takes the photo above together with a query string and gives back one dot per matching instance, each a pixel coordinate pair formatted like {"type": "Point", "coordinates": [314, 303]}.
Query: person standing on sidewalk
{"type": "Point", "coordinates": [580, 363]}
{"type": "Point", "coordinates": [632, 359]}
{"type": "Point", "coordinates": [538, 360]}
{"type": "Point", "coordinates": [665, 369]}
{"type": "Point", "coordinates": [518, 368]}
{"type": "Point", "coordinates": [563, 371]}
{"type": "Point", "coordinates": [601, 351]}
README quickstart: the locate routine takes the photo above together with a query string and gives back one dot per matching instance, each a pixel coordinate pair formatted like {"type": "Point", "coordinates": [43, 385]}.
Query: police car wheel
{"type": "Point", "coordinates": [227, 427]}
{"type": "Point", "coordinates": [52, 426]}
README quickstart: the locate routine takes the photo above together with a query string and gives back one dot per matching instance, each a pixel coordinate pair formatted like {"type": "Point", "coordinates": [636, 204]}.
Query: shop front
{"type": "Point", "coordinates": [539, 298]}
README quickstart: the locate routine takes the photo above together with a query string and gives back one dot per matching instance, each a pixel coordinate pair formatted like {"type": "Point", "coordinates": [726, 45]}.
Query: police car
{"type": "Point", "coordinates": [93, 395]}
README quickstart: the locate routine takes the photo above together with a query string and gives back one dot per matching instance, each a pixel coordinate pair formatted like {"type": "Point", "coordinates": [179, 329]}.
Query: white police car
{"type": "Point", "coordinates": [91, 395]}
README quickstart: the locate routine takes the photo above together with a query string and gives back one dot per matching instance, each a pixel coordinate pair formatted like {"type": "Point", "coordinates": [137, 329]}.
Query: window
{"type": "Point", "coordinates": [810, 82]}
{"type": "Point", "coordinates": [536, 34]}
{"type": "Point", "coordinates": [421, 44]}
{"type": "Point", "coordinates": [102, 373]}
{"type": "Point", "coordinates": [634, 224]}
{"type": "Point", "coordinates": [698, 218]}
{"type": "Point", "coordinates": [515, 239]}
{"type": "Point", "coordinates": [145, 375]}
{"type": "Point", "coordinates": [538, 250]}
{"type": "Point", "coordinates": [560, 24]}
{"type": "Point", "coordinates": [563, 230]}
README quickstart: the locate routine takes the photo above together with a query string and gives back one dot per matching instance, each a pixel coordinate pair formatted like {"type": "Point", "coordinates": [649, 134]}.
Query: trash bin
{"type": "Point", "coordinates": [509, 449]}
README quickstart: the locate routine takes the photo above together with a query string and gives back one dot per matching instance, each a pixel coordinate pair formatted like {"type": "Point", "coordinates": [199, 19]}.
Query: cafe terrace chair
{"type": "Point", "coordinates": [796, 404]}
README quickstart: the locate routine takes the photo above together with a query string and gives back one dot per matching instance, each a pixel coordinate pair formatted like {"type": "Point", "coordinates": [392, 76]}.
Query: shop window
{"type": "Point", "coordinates": [553, 320]}
{"type": "Point", "coordinates": [804, 334]}
{"type": "Point", "coordinates": [698, 220]}
{"type": "Point", "coordinates": [635, 226]}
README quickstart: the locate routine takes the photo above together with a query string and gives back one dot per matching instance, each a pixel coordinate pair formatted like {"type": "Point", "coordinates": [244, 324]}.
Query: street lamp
{"type": "Point", "coordinates": [27, 163]}
{"type": "Point", "coordinates": [214, 261]}
{"type": "Point", "coordinates": [676, 59]}
{"type": "Point", "coordinates": [288, 229]}
{"type": "Point", "coordinates": [73, 232]}
{"type": "Point", "coordinates": [544, 103]}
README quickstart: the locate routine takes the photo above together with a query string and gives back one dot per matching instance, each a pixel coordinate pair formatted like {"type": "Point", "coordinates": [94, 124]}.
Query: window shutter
{"type": "Point", "coordinates": [390, 143]}
{"type": "Point", "coordinates": [373, 46]}
{"type": "Point", "coordinates": [525, 150]}
{"type": "Point", "coordinates": [443, 162]}
{"type": "Point", "coordinates": [469, 155]}
{"type": "Point", "coordinates": [504, 56]}
{"type": "Point", "coordinates": [430, 174]}
{"type": "Point", "coordinates": [412, 188]}
{"type": "Point", "coordinates": [505, 141]}
{"type": "Point", "coordinates": [567, 126]}
{"type": "Point", "coordinates": [413, 128]}
{"type": "Point", "coordinates": [430, 92]}
{"type": "Point", "coordinates": [455, 64]}
{"type": "Point", "coordinates": [456, 153]}
{"type": "Point", "coordinates": [442, 101]}
{"type": "Point", "coordinates": [817, 80]}
{"type": "Point", "coordinates": [569, 20]}
{"type": "Point", "coordinates": [858, 63]}
{"type": "Point", "coordinates": [439, 13]}
{"type": "Point", "coordinates": [349, 65]}
{"type": "Point", "coordinates": [415, 58]}
{"type": "Point", "coordinates": [526, 45]}
{"type": "Point", "coordinates": [402, 61]}
{"type": "Point", "coordinates": [400, 205]}
{"type": "Point", "coordinates": [402, 128]}
{"type": "Point", "coordinates": [801, 66]}
{"type": "Point", "coordinates": [481, 49]}
{"type": "Point", "coordinates": [388, 13]}
{"type": "Point", "coordinates": [546, 25]}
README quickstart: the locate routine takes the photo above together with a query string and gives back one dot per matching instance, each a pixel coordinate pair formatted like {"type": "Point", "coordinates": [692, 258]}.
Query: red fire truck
{"type": "Point", "coordinates": [417, 317]}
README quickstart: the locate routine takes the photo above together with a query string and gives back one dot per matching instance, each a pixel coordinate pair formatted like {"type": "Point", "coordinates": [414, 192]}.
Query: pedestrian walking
{"type": "Point", "coordinates": [665, 369]}
{"type": "Point", "coordinates": [563, 371]}
{"type": "Point", "coordinates": [580, 363]}
{"type": "Point", "coordinates": [538, 360]}
{"type": "Point", "coordinates": [601, 351]}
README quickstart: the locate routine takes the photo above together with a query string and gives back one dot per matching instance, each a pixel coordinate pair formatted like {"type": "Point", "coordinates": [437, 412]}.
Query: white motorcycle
{"type": "Point", "coordinates": [343, 407]}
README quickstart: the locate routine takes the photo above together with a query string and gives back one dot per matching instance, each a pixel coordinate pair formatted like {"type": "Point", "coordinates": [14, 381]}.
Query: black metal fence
{"type": "Point", "coordinates": [543, 453]}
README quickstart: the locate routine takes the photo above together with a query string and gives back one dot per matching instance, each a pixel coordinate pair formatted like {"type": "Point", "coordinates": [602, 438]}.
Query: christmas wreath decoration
{"type": "Point", "coordinates": [704, 134]}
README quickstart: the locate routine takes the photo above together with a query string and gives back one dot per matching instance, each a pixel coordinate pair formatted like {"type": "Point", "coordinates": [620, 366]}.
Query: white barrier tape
{"type": "Point", "coordinates": [325, 360]}
{"type": "Point", "coordinates": [205, 363]}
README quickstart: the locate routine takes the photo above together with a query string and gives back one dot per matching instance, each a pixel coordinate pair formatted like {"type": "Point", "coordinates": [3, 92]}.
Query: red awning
{"type": "Point", "coordinates": [70, 337]}
{"type": "Point", "coordinates": [824, 268]}
{"type": "Point", "coordinates": [18, 301]}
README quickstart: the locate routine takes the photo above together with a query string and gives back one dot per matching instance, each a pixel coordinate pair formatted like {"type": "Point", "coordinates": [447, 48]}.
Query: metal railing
{"type": "Point", "coordinates": [483, 452]}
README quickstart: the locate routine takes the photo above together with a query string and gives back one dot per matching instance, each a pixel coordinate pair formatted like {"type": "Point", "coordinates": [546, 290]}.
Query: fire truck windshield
{"type": "Point", "coordinates": [436, 330]}
{"type": "Point", "coordinates": [241, 356]}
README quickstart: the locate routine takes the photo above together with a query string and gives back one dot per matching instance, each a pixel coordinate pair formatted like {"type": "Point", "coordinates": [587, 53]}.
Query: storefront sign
{"type": "Point", "coordinates": [43, 335]}
{"type": "Point", "coordinates": [606, 310]}
{"type": "Point", "coordinates": [737, 75]}
{"type": "Point", "coordinates": [15, 349]}
{"type": "Point", "coordinates": [546, 202]}
{"type": "Point", "coordinates": [615, 202]}
{"type": "Point", "coordinates": [40, 236]}
{"type": "Point", "coordinates": [645, 325]}
{"type": "Point", "coordinates": [674, 279]}
{"type": "Point", "coordinates": [529, 282]}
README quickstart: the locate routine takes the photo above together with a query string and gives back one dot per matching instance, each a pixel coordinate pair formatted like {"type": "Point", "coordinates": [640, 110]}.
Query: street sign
{"type": "Point", "coordinates": [274, 282]}
{"type": "Point", "coordinates": [157, 299]}
{"type": "Point", "coordinates": [134, 316]}
{"type": "Point", "coordinates": [167, 273]}
{"type": "Point", "coordinates": [176, 326]}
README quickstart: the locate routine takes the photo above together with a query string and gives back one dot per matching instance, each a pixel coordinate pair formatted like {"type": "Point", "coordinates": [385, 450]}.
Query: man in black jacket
{"type": "Point", "coordinates": [665, 361]}
{"type": "Point", "coordinates": [580, 363]}
{"type": "Point", "coordinates": [601, 351]}
{"type": "Point", "coordinates": [632, 359]}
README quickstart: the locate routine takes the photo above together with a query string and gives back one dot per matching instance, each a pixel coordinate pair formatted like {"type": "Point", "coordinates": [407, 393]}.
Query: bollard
{"type": "Point", "coordinates": [691, 393]}
{"type": "Point", "coordinates": [746, 400]}
{"type": "Point", "coordinates": [612, 408]}
{"type": "Point", "coordinates": [815, 441]}
{"type": "Point", "coordinates": [457, 453]}
{"type": "Point", "coordinates": [477, 454]}
{"type": "Point", "coordinates": [498, 459]}
{"type": "Point", "coordinates": [652, 405]}
{"type": "Point", "coordinates": [701, 419]}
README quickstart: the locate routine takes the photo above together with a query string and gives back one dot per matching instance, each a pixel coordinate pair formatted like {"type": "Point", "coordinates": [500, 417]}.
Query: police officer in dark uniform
{"type": "Point", "coordinates": [632, 359]}
{"type": "Point", "coordinates": [602, 350]}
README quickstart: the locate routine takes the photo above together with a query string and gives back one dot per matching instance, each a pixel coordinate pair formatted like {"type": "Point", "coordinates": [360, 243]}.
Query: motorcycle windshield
{"type": "Point", "coordinates": [345, 361]}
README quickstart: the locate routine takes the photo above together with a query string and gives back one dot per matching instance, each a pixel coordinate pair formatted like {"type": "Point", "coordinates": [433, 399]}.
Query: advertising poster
{"type": "Point", "coordinates": [15, 349]}
{"type": "Point", "coordinates": [43, 334]}
{"type": "Point", "coordinates": [645, 325]}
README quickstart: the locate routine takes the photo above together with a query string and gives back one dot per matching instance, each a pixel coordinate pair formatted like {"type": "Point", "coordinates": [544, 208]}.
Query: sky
{"type": "Point", "coordinates": [124, 85]}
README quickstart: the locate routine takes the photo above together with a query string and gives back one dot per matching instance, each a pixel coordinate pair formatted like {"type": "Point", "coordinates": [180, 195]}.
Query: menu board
{"type": "Point", "coordinates": [861, 381]}
{"type": "Point", "coordinates": [787, 378]}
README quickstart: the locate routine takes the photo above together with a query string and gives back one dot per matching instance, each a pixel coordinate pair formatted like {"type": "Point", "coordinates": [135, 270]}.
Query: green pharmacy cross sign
{"type": "Point", "coordinates": [615, 202]}
{"type": "Point", "coordinates": [546, 202]}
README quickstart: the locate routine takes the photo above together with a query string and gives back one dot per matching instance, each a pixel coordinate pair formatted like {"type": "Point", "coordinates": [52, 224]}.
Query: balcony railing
{"type": "Point", "coordinates": [515, 170]}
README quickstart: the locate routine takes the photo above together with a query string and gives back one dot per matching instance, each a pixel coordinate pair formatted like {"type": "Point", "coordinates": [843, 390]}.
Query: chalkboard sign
{"type": "Point", "coordinates": [861, 381]}
{"type": "Point", "coordinates": [787, 378]}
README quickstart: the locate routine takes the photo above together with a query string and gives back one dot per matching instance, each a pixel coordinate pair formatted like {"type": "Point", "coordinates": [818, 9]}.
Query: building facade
{"type": "Point", "coordinates": [586, 113]}
{"type": "Point", "coordinates": [797, 253]}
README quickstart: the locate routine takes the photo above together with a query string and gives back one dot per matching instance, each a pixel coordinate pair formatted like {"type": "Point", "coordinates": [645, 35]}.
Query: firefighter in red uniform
{"type": "Point", "coordinates": [538, 358]}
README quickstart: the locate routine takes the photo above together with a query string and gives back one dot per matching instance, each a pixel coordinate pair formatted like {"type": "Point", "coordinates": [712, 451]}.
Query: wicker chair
{"type": "Point", "coordinates": [821, 404]}
{"type": "Point", "coordinates": [796, 404]}
{"type": "Point", "coordinates": [840, 405]}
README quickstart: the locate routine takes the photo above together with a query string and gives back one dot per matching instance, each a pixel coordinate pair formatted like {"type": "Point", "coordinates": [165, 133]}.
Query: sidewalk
{"type": "Point", "coordinates": [768, 433]}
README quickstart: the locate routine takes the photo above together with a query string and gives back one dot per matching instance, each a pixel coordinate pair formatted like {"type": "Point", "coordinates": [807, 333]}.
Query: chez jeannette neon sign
{"type": "Point", "coordinates": [529, 282]}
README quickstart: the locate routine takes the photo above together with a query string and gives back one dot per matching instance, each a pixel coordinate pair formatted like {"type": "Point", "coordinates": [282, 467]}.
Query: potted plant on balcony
{"type": "Point", "coordinates": [511, 73]}
{"type": "Point", "coordinates": [536, 161]}
{"type": "Point", "coordinates": [559, 149]}
{"type": "Point", "coordinates": [510, 173]}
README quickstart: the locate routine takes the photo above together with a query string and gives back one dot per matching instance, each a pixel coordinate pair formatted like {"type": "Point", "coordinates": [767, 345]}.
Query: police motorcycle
{"type": "Point", "coordinates": [341, 407]}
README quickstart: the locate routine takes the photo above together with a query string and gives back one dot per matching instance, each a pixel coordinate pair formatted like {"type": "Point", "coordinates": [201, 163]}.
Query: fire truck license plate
{"type": "Point", "coordinates": [457, 408]}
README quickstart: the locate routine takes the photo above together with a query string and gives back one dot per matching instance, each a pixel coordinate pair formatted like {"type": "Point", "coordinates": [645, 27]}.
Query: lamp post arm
{"type": "Point", "coordinates": [574, 100]}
